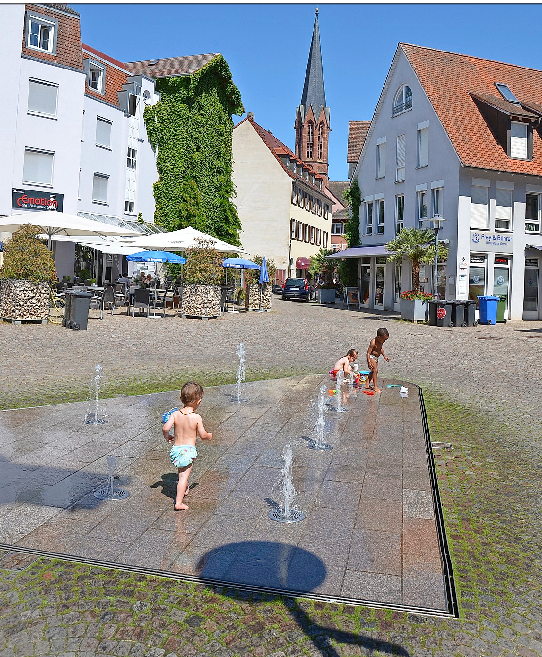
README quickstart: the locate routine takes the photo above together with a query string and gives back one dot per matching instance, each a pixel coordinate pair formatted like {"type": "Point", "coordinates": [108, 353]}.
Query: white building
{"type": "Point", "coordinates": [455, 137]}
{"type": "Point", "coordinates": [72, 134]}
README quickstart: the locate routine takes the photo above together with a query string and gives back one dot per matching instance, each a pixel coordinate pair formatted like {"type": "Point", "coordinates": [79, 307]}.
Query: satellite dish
{"type": "Point", "coordinates": [146, 94]}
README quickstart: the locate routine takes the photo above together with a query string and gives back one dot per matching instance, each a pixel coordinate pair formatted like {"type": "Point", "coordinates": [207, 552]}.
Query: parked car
{"type": "Point", "coordinates": [277, 288]}
{"type": "Point", "coordinates": [296, 288]}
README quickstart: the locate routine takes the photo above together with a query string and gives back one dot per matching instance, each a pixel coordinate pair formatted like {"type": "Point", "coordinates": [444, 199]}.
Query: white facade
{"type": "Point", "coordinates": [50, 142]}
{"type": "Point", "coordinates": [416, 157]}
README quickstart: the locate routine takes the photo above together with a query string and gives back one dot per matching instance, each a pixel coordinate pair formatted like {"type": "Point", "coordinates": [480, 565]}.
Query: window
{"type": "Point", "coordinates": [436, 194]}
{"type": "Point", "coordinates": [95, 75]}
{"type": "Point", "coordinates": [310, 140]}
{"type": "Point", "coordinates": [129, 207]}
{"type": "Point", "coordinates": [423, 145]}
{"type": "Point", "coordinates": [532, 213]}
{"type": "Point", "coordinates": [312, 235]}
{"type": "Point", "coordinates": [399, 213]}
{"type": "Point", "coordinates": [402, 100]}
{"type": "Point", "coordinates": [369, 218]}
{"type": "Point", "coordinates": [293, 229]}
{"type": "Point", "coordinates": [131, 158]}
{"type": "Point", "coordinates": [42, 97]}
{"type": "Point", "coordinates": [479, 215]}
{"type": "Point", "coordinates": [380, 216]}
{"type": "Point", "coordinates": [503, 210]}
{"type": "Point", "coordinates": [99, 188]}
{"type": "Point", "coordinates": [41, 32]}
{"type": "Point", "coordinates": [324, 241]}
{"type": "Point", "coordinates": [38, 167]}
{"type": "Point", "coordinates": [506, 93]}
{"type": "Point", "coordinates": [518, 140]}
{"type": "Point", "coordinates": [422, 205]}
{"type": "Point", "coordinates": [103, 132]}
{"type": "Point", "coordinates": [400, 158]}
{"type": "Point", "coordinates": [337, 228]}
{"type": "Point", "coordinates": [381, 159]}
{"type": "Point", "coordinates": [320, 141]}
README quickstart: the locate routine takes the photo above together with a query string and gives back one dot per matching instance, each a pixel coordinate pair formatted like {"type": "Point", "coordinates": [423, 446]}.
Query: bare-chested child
{"type": "Point", "coordinates": [344, 365]}
{"type": "Point", "coordinates": [374, 352]}
{"type": "Point", "coordinates": [187, 426]}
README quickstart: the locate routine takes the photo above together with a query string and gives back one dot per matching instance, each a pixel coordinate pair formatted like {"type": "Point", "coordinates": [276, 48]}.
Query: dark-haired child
{"type": "Point", "coordinates": [374, 352]}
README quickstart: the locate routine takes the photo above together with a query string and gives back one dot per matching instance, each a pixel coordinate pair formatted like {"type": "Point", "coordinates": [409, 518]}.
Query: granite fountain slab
{"type": "Point", "coordinates": [372, 533]}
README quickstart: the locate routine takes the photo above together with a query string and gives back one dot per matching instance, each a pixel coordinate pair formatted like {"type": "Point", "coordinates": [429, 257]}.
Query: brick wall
{"type": "Point", "coordinates": [68, 40]}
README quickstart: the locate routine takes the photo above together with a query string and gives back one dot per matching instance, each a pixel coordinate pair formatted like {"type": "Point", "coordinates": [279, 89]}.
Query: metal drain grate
{"type": "Point", "coordinates": [293, 516]}
{"type": "Point", "coordinates": [106, 493]}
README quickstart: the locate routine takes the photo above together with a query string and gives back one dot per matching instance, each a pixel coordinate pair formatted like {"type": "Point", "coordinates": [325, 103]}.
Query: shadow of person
{"type": "Point", "coordinates": [169, 484]}
{"type": "Point", "coordinates": [280, 569]}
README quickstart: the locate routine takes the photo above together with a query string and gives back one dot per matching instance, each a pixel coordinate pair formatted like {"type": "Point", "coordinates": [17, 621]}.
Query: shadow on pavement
{"type": "Point", "coordinates": [281, 566]}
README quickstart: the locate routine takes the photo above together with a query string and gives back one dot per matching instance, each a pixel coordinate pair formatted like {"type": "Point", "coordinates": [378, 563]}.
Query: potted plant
{"type": "Point", "coordinates": [258, 297]}
{"type": "Point", "coordinates": [321, 265]}
{"type": "Point", "coordinates": [202, 276]}
{"type": "Point", "coordinates": [418, 246]}
{"type": "Point", "coordinates": [26, 277]}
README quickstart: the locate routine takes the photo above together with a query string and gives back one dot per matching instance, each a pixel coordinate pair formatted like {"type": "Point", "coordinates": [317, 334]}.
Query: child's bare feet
{"type": "Point", "coordinates": [378, 390]}
{"type": "Point", "coordinates": [180, 507]}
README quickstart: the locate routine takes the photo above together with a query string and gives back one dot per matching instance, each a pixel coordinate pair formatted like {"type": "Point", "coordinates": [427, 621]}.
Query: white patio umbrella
{"type": "Point", "coordinates": [60, 223]}
{"type": "Point", "coordinates": [180, 240]}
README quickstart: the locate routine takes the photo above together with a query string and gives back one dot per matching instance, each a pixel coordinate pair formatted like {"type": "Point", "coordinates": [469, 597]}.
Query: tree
{"type": "Point", "coordinates": [320, 264]}
{"type": "Point", "coordinates": [419, 247]}
{"type": "Point", "coordinates": [27, 258]}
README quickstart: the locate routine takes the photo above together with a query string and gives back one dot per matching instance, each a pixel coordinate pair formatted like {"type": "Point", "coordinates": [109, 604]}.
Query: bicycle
{"type": "Point", "coordinates": [57, 305]}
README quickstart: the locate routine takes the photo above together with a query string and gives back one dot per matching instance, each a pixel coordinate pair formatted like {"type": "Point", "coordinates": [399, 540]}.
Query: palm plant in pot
{"type": "Point", "coordinates": [202, 276]}
{"type": "Point", "coordinates": [26, 276]}
{"type": "Point", "coordinates": [320, 264]}
{"type": "Point", "coordinates": [418, 246]}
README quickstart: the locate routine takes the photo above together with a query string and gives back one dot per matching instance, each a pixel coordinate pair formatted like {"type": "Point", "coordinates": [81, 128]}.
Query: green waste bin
{"type": "Point", "coordinates": [501, 308]}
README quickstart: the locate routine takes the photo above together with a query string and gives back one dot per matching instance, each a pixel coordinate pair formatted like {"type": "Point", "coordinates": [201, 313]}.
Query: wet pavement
{"type": "Point", "coordinates": [370, 534]}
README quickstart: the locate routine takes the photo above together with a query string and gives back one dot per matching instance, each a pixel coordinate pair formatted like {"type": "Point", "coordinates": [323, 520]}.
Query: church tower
{"type": "Point", "coordinates": [312, 125]}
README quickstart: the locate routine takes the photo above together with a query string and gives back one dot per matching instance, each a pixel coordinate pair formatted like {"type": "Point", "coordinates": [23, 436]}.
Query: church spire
{"type": "Point", "coordinates": [313, 119]}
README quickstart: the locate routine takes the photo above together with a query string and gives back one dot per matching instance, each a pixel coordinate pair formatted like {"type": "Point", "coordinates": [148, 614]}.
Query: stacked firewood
{"type": "Point", "coordinates": [24, 300]}
{"type": "Point", "coordinates": [253, 301]}
{"type": "Point", "coordinates": [201, 300]}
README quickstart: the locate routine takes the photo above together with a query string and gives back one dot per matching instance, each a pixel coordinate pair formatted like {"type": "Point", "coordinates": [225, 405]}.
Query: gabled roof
{"type": "Point", "coordinates": [454, 83]}
{"type": "Point", "coordinates": [173, 66]}
{"type": "Point", "coordinates": [337, 188]}
{"type": "Point", "coordinates": [357, 131]}
{"type": "Point", "coordinates": [278, 148]}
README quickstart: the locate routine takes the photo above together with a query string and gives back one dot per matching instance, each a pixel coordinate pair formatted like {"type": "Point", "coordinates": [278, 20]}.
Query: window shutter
{"type": "Point", "coordinates": [518, 141]}
{"type": "Point", "coordinates": [99, 188]}
{"type": "Point", "coordinates": [479, 207]}
{"type": "Point", "coordinates": [103, 132]}
{"type": "Point", "coordinates": [400, 156]}
{"type": "Point", "coordinates": [423, 147]}
{"type": "Point", "coordinates": [42, 97]}
{"type": "Point", "coordinates": [503, 210]}
{"type": "Point", "coordinates": [38, 167]}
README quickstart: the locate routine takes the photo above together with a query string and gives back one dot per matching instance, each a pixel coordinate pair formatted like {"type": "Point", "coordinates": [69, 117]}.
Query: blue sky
{"type": "Point", "coordinates": [267, 46]}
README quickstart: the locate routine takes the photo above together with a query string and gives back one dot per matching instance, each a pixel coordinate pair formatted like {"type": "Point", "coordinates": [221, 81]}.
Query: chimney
{"type": "Point", "coordinates": [250, 116]}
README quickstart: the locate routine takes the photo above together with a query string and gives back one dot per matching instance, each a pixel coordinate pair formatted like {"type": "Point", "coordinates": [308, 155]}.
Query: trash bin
{"type": "Point", "coordinates": [440, 313]}
{"type": "Point", "coordinates": [76, 311]}
{"type": "Point", "coordinates": [501, 308]}
{"type": "Point", "coordinates": [488, 309]}
{"type": "Point", "coordinates": [469, 311]}
{"type": "Point", "coordinates": [458, 313]}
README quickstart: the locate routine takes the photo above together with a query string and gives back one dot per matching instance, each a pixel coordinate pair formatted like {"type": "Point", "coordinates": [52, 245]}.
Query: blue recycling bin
{"type": "Point", "coordinates": [488, 309]}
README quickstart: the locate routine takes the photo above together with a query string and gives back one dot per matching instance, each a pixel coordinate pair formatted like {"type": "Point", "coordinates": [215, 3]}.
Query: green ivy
{"type": "Point", "coordinates": [192, 126]}
{"type": "Point", "coordinates": [348, 268]}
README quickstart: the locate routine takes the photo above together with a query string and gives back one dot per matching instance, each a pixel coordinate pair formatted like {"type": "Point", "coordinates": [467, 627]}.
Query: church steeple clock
{"type": "Point", "coordinates": [312, 125]}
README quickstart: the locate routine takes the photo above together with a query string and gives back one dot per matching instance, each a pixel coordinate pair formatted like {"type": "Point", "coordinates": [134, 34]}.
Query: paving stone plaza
{"type": "Point", "coordinates": [370, 535]}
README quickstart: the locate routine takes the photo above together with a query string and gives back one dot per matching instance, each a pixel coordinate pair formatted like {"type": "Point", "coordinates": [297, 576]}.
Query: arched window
{"type": "Point", "coordinates": [310, 140]}
{"type": "Point", "coordinates": [320, 141]}
{"type": "Point", "coordinates": [402, 99]}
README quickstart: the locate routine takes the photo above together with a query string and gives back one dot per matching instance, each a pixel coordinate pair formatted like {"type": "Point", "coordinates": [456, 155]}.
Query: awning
{"type": "Point", "coordinates": [359, 251]}
{"type": "Point", "coordinates": [534, 246]}
{"type": "Point", "coordinates": [302, 263]}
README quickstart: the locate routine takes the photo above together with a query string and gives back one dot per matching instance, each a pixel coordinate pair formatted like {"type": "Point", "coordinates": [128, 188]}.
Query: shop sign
{"type": "Point", "coordinates": [531, 262]}
{"type": "Point", "coordinates": [30, 199]}
{"type": "Point", "coordinates": [491, 241]}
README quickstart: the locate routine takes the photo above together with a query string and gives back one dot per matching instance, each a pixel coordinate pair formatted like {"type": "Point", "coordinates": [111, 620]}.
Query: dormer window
{"type": "Point", "coordinates": [402, 100]}
{"type": "Point", "coordinates": [518, 140]}
{"type": "Point", "coordinates": [41, 32]}
{"type": "Point", "coordinates": [95, 75]}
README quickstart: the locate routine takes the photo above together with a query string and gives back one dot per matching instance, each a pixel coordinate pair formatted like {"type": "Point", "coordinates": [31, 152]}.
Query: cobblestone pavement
{"type": "Point", "coordinates": [482, 390]}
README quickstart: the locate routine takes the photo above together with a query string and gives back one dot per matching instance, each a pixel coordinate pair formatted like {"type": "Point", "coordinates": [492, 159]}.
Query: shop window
{"type": "Point", "coordinates": [477, 277]}
{"type": "Point", "coordinates": [532, 213]}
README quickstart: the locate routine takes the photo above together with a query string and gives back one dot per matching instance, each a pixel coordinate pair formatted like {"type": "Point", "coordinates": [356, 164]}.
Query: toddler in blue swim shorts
{"type": "Point", "coordinates": [187, 426]}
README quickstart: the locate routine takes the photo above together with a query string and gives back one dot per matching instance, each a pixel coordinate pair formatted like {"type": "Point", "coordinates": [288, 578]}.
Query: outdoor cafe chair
{"type": "Point", "coordinates": [142, 299]}
{"type": "Point", "coordinates": [120, 294]}
{"type": "Point", "coordinates": [108, 299]}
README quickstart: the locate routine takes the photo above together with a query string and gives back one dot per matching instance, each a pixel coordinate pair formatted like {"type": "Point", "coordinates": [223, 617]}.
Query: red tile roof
{"type": "Point", "coordinates": [278, 148]}
{"type": "Point", "coordinates": [451, 82]}
{"type": "Point", "coordinates": [357, 131]}
{"type": "Point", "coordinates": [163, 68]}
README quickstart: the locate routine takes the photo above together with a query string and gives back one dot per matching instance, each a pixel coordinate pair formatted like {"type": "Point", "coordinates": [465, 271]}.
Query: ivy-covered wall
{"type": "Point", "coordinates": [191, 126]}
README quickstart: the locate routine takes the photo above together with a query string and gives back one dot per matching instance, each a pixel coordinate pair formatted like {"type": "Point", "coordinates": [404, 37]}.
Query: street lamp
{"type": "Point", "coordinates": [436, 221]}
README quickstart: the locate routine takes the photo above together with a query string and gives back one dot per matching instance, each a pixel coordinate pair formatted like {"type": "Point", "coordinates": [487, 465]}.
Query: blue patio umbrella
{"type": "Point", "coordinates": [239, 263]}
{"type": "Point", "coordinates": [264, 276]}
{"type": "Point", "coordinates": [156, 256]}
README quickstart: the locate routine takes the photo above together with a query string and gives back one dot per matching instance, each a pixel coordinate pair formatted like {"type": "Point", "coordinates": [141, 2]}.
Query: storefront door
{"type": "Point", "coordinates": [477, 277]}
{"type": "Point", "coordinates": [365, 282]}
{"type": "Point", "coordinates": [379, 286]}
{"type": "Point", "coordinates": [530, 289]}
{"type": "Point", "coordinates": [501, 280]}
